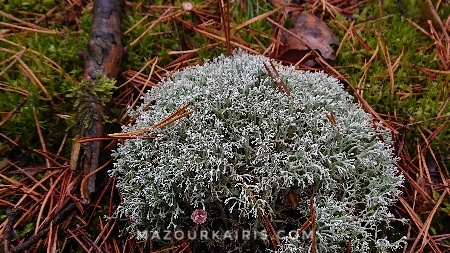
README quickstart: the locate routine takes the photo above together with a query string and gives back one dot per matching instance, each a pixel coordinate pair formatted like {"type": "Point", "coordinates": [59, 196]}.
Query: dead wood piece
{"type": "Point", "coordinates": [104, 50]}
{"type": "Point", "coordinates": [59, 218]}
{"type": "Point", "coordinates": [103, 55]}
{"type": "Point", "coordinates": [9, 233]}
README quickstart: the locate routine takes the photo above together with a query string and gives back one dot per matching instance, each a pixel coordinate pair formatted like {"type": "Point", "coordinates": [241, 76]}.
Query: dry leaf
{"type": "Point", "coordinates": [311, 30]}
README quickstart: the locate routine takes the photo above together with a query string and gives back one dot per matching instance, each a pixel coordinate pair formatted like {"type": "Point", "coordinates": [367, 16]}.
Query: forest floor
{"type": "Point", "coordinates": [393, 56]}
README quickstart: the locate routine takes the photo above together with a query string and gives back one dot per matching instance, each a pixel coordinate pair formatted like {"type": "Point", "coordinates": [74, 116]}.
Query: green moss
{"type": "Point", "coordinates": [416, 96]}
{"type": "Point", "coordinates": [172, 36]}
{"type": "Point", "coordinates": [102, 88]}
{"type": "Point", "coordinates": [97, 91]}
{"type": "Point", "coordinates": [57, 79]}
{"type": "Point", "coordinates": [36, 6]}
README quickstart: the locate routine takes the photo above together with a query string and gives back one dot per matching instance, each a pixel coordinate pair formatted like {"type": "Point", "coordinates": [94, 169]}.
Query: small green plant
{"type": "Point", "coordinates": [245, 147]}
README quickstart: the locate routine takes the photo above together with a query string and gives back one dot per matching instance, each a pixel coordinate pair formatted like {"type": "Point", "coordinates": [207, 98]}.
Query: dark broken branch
{"type": "Point", "coordinates": [58, 219]}
{"type": "Point", "coordinates": [102, 58]}
{"type": "Point", "coordinates": [11, 214]}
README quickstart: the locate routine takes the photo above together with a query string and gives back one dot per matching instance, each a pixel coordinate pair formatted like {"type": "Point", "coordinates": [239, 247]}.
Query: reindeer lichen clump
{"type": "Point", "coordinates": [238, 148]}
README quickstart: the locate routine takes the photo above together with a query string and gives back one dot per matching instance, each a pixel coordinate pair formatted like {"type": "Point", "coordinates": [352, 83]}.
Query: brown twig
{"type": "Point", "coordinates": [141, 92]}
{"type": "Point", "coordinates": [178, 114]}
{"type": "Point", "coordinates": [30, 74]}
{"type": "Point", "coordinates": [267, 224]}
{"type": "Point", "coordinates": [208, 34]}
{"type": "Point", "coordinates": [273, 73]}
{"type": "Point", "coordinates": [313, 223]}
{"type": "Point", "coordinates": [16, 57]}
{"type": "Point", "coordinates": [41, 137]}
{"type": "Point", "coordinates": [58, 219]}
{"type": "Point", "coordinates": [12, 112]}
{"type": "Point", "coordinates": [225, 18]}
{"type": "Point", "coordinates": [86, 178]}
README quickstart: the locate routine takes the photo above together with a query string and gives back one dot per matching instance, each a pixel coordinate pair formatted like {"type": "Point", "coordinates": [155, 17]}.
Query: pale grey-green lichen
{"type": "Point", "coordinates": [246, 136]}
